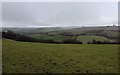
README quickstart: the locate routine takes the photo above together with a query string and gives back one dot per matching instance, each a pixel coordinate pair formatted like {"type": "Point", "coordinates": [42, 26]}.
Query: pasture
{"type": "Point", "coordinates": [57, 38]}
{"type": "Point", "coordinates": [89, 38]}
{"type": "Point", "coordinates": [28, 57]}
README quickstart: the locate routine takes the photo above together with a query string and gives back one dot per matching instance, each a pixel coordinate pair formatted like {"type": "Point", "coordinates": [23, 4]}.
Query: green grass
{"type": "Point", "coordinates": [58, 38]}
{"type": "Point", "coordinates": [89, 38]}
{"type": "Point", "coordinates": [27, 57]}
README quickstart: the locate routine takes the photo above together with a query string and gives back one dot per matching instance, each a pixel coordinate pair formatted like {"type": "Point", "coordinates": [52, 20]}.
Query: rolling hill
{"type": "Point", "coordinates": [110, 33]}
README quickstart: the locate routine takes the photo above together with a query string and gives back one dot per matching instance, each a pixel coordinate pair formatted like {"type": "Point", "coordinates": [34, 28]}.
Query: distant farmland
{"type": "Point", "coordinates": [24, 57]}
{"type": "Point", "coordinates": [109, 32]}
{"type": "Point", "coordinates": [61, 34]}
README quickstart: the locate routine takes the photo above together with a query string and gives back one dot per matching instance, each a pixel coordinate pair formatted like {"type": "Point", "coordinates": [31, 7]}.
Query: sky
{"type": "Point", "coordinates": [50, 14]}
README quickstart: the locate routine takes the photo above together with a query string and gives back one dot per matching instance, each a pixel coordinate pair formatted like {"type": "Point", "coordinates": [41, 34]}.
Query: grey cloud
{"type": "Point", "coordinates": [61, 13]}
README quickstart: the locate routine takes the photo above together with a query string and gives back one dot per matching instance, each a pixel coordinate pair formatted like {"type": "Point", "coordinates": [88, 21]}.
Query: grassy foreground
{"type": "Point", "coordinates": [27, 57]}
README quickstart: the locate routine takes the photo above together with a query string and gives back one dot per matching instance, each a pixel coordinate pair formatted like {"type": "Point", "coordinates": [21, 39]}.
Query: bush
{"type": "Point", "coordinates": [9, 34]}
{"type": "Point", "coordinates": [47, 41]}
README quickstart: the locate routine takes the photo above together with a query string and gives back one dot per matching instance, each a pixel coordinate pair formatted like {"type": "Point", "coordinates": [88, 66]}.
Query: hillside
{"type": "Point", "coordinates": [27, 57]}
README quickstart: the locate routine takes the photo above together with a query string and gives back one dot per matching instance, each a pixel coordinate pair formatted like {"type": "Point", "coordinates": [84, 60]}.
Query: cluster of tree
{"type": "Point", "coordinates": [102, 42]}
{"type": "Point", "coordinates": [47, 41]}
{"type": "Point", "coordinates": [18, 37]}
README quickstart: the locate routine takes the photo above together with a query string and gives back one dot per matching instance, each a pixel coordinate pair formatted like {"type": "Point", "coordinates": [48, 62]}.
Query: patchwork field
{"type": "Point", "coordinates": [61, 38]}
{"type": "Point", "coordinates": [27, 57]}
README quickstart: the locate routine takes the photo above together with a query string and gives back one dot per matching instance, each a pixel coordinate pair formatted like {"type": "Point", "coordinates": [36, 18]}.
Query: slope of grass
{"type": "Point", "coordinates": [89, 38]}
{"type": "Point", "coordinates": [111, 34]}
{"type": "Point", "coordinates": [24, 57]}
{"type": "Point", "coordinates": [58, 38]}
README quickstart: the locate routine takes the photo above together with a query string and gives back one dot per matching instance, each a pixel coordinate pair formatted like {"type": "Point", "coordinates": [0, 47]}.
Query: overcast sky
{"type": "Point", "coordinates": [59, 14]}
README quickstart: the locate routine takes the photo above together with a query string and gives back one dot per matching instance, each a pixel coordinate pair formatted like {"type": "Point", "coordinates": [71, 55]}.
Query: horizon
{"type": "Point", "coordinates": [58, 26]}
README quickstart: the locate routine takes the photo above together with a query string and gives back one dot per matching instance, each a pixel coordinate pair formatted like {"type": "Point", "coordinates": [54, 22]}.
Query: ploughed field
{"type": "Point", "coordinates": [28, 57]}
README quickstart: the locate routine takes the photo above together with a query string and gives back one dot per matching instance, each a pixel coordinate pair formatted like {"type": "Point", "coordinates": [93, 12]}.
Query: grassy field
{"type": "Point", "coordinates": [57, 38]}
{"type": "Point", "coordinates": [27, 57]}
{"type": "Point", "coordinates": [89, 38]}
